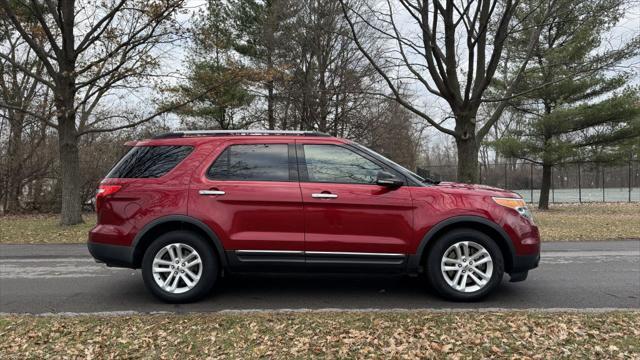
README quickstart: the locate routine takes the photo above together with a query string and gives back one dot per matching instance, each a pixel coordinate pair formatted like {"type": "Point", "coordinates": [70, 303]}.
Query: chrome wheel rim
{"type": "Point", "coordinates": [177, 268]}
{"type": "Point", "coordinates": [466, 266]}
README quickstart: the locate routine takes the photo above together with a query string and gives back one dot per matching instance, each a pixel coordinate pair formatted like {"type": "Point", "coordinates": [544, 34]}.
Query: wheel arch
{"type": "Point", "coordinates": [149, 232]}
{"type": "Point", "coordinates": [486, 226]}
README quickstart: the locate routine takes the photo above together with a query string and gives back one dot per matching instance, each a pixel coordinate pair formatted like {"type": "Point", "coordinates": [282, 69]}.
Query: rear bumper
{"type": "Point", "coordinates": [112, 255]}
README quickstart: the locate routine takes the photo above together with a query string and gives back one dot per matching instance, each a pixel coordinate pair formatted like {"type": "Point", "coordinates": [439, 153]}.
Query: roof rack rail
{"type": "Point", "coordinates": [193, 133]}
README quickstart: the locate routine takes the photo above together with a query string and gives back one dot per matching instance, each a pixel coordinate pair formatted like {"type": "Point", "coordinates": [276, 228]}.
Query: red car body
{"type": "Point", "coordinates": [306, 232]}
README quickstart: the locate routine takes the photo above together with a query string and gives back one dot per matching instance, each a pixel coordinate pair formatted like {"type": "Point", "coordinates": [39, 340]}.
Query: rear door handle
{"type": "Point", "coordinates": [212, 192]}
{"type": "Point", "coordinates": [324, 196]}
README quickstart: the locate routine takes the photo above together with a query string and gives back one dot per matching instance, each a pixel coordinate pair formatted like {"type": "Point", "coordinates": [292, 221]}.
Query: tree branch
{"type": "Point", "coordinates": [386, 78]}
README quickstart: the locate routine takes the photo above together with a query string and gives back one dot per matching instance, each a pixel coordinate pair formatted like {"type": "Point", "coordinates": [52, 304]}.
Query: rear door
{"type": "Point", "coordinates": [249, 194]}
{"type": "Point", "coordinates": [350, 220]}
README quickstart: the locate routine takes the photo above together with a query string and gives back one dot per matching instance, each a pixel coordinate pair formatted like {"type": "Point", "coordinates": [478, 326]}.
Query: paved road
{"type": "Point", "coordinates": [63, 278]}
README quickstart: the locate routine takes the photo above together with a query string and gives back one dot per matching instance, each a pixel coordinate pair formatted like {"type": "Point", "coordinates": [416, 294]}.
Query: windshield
{"type": "Point", "coordinates": [394, 164]}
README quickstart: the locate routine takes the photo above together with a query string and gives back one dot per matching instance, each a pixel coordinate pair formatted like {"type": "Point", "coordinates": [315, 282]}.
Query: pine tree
{"type": "Point", "coordinates": [261, 32]}
{"type": "Point", "coordinates": [573, 99]}
{"type": "Point", "coordinates": [216, 80]}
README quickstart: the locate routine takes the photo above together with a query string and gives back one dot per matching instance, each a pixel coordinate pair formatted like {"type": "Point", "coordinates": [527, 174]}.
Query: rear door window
{"type": "Point", "coordinates": [252, 162]}
{"type": "Point", "coordinates": [149, 161]}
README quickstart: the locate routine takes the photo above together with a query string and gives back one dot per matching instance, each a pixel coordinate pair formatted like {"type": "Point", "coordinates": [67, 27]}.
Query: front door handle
{"type": "Point", "coordinates": [211, 192]}
{"type": "Point", "coordinates": [324, 196]}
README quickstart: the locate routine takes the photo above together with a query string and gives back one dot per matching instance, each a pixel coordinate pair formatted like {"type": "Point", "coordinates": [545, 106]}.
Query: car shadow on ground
{"type": "Point", "coordinates": [310, 291]}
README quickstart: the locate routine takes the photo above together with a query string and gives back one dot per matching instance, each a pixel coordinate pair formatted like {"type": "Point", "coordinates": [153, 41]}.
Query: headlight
{"type": "Point", "coordinates": [518, 205]}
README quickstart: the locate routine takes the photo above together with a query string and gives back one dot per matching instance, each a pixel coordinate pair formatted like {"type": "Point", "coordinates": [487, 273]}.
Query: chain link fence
{"type": "Point", "coordinates": [570, 182]}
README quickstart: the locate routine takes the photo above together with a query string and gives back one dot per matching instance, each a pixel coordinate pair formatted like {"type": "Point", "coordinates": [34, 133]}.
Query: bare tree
{"type": "Point", "coordinates": [330, 82]}
{"type": "Point", "coordinates": [393, 132]}
{"type": "Point", "coordinates": [452, 51]}
{"type": "Point", "coordinates": [26, 101]}
{"type": "Point", "coordinates": [87, 49]}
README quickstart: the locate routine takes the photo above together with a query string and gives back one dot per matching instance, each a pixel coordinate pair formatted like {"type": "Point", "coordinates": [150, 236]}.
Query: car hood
{"type": "Point", "coordinates": [477, 188]}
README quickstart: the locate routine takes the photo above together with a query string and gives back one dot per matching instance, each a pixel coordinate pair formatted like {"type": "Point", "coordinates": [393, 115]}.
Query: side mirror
{"type": "Point", "coordinates": [389, 180]}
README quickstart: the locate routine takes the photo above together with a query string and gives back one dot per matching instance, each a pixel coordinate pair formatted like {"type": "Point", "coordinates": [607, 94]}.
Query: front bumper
{"type": "Point", "coordinates": [112, 255]}
{"type": "Point", "coordinates": [525, 262]}
{"type": "Point", "coordinates": [521, 266]}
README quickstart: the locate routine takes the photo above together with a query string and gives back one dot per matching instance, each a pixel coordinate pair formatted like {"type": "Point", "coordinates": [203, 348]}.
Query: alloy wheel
{"type": "Point", "coordinates": [177, 268]}
{"type": "Point", "coordinates": [466, 266]}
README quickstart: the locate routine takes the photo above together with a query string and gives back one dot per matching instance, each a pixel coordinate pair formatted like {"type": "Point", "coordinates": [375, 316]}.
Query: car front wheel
{"type": "Point", "coordinates": [465, 265]}
{"type": "Point", "coordinates": [179, 267]}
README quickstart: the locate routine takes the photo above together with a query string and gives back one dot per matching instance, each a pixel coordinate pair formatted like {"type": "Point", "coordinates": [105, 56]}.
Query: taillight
{"type": "Point", "coordinates": [104, 191]}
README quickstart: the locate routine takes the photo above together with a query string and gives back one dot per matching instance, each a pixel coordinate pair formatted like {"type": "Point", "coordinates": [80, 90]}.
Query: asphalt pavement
{"type": "Point", "coordinates": [64, 278]}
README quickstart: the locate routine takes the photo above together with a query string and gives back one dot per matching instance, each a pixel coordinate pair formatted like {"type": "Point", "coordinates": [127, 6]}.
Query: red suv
{"type": "Point", "coordinates": [188, 207]}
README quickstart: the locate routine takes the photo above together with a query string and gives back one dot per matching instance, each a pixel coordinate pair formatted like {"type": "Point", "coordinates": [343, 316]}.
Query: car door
{"type": "Point", "coordinates": [249, 194]}
{"type": "Point", "coordinates": [349, 219]}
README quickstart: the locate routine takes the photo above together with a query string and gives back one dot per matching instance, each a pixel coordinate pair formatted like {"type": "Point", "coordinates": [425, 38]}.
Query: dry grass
{"type": "Point", "coordinates": [589, 222]}
{"type": "Point", "coordinates": [521, 335]}
{"type": "Point", "coordinates": [42, 229]}
{"type": "Point", "coordinates": [561, 223]}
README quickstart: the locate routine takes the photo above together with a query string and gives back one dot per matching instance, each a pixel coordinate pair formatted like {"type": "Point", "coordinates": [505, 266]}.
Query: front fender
{"type": "Point", "coordinates": [492, 229]}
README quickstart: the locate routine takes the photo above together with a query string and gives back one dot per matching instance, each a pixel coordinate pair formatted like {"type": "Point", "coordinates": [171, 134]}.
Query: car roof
{"type": "Point", "coordinates": [196, 137]}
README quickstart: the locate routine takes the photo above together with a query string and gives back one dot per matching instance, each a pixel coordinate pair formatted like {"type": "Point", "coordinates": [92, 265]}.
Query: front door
{"type": "Point", "coordinates": [250, 196]}
{"type": "Point", "coordinates": [350, 221]}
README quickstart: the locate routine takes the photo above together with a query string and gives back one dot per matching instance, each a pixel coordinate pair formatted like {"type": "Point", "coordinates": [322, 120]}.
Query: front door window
{"type": "Point", "coordinates": [335, 164]}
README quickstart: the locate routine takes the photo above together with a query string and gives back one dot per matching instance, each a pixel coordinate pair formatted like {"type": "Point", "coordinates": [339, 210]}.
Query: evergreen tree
{"type": "Point", "coordinates": [573, 100]}
{"type": "Point", "coordinates": [216, 81]}
{"type": "Point", "coordinates": [262, 30]}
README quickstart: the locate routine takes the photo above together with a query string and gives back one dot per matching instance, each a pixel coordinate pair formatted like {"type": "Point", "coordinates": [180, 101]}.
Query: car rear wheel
{"type": "Point", "coordinates": [179, 267]}
{"type": "Point", "coordinates": [465, 265]}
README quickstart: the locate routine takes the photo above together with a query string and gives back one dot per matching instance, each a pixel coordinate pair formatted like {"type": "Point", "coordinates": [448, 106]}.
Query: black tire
{"type": "Point", "coordinates": [436, 277]}
{"type": "Point", "coordinates": [210, 267]}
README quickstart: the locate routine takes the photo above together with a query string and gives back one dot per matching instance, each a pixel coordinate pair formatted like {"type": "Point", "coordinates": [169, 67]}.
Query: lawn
{"type": "Point", "coordinates": [302, 335]}
{"type": "Point", "coordinates": [593, 221]}
{"type": "Point", "coordinates": [42, 229]}
{"type": "Point", "coordinates": [561, 223]}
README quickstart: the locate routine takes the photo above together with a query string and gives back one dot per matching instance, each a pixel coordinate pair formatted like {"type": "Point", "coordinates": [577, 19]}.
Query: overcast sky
{"type": "Point", "coordinates": [625, 30]}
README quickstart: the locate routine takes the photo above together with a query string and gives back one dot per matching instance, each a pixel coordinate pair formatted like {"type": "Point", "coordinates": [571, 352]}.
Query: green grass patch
{"type": "Point", "coordinates": [325, 335]}
{"type": "Point", "coordinates": [43, 229]}
{"type": "Point", "coordinates": [595, 221]}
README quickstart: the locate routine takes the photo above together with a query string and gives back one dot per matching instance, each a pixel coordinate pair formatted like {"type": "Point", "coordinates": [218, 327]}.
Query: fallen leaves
{"type": "Point", "coordinates": [520, 335]}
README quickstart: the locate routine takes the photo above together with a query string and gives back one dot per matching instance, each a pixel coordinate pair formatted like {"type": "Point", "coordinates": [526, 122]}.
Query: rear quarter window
{"type": "Point", "coordinates": [149, 161]}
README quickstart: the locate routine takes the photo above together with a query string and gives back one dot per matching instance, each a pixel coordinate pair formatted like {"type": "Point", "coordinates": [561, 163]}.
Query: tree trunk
{"type": "Point", "coordinates": [271, 120]}
{"type": "Point", "coordinates": [543, 203]}
{"type": "Point", "coordinates": [14, 167]}
{"type": "Point", "coordinates": [71, 206]}
{"type": "Point", "coordinates": [322, 103]}
{"type": "Point", "coordinates": [37, 194]}
{"type": "Point", "coordinates": [270, 105]}
{"type": "Point", "coordinates": [337, 114]}
{"type": "Point", "coordinates": [467, 161]}
{"type": "Point", "coordinates": [467, 151]}
{"type": "Point", "coordinates": [269, 38]}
